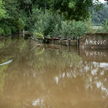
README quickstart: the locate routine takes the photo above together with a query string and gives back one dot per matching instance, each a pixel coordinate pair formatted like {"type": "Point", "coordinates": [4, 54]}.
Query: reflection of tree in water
{"type": "Point", "coordinates": [92, 75]}
{"type": "Point", "coordinates": [42, 78]}
{"type": "Point", "coordinates": [2, 76]}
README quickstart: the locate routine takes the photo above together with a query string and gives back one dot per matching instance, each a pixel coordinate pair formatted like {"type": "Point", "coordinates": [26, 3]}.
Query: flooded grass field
{"type": "Point", "coordinates": [51, 76]}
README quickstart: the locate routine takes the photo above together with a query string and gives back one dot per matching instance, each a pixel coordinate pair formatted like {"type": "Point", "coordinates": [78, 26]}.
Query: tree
{"type": "Point", "coordinates": [105, 25]}
{"type": "Point", "coordinates": [74, 9]}
{"type": "Point", "coordinates": [12, 22]}
{"type": "Point", "coordinates": [2, 10]}
{"type": "Point", "coordinates": [98, 17]}
{"type": "Point", "coordinates": [27, 5]}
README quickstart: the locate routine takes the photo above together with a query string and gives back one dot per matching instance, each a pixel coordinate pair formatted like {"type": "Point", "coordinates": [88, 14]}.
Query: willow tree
{"type": "Point", "coordinates": [74, 9]}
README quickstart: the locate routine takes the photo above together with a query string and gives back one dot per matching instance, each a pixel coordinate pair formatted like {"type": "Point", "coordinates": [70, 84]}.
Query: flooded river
{"type": "Point", "coordinates": [51, 76]}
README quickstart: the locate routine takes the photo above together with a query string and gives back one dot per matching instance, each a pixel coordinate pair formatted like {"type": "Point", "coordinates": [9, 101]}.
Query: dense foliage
{"type": "Point", "coordinates": [99, 16]}
{"type": "Point", "coordinates": [64, 18]}
{"type": "Point", "coordinates": [2, 10]}
{"type": "Point", "coordinates": [73, 9]}
{"type": "Point", "coordinates": [54, 25]}
{"type": "Point", "coordinates": [12, 22]}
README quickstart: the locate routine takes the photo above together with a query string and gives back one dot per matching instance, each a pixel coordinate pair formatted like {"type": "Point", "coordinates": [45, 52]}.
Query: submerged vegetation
{"type": "Point", "coordinates": [50, 18]}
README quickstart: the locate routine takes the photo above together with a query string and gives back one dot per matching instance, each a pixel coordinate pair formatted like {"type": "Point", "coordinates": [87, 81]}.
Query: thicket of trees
{"type": "Point", "coordinates": [2, 10]}
{"type": "Point", "coordinates": [99, 16]}
{"type": "Point", "coordinates": [46, 17]}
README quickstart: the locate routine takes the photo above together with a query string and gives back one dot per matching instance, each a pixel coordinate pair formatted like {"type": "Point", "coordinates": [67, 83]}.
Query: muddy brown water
{"type": "Point", "coordinates": [50, 76]}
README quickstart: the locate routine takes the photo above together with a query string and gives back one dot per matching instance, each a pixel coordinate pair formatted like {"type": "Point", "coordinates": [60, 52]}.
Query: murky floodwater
{"type": "Point", "coordinates": [51, 76]}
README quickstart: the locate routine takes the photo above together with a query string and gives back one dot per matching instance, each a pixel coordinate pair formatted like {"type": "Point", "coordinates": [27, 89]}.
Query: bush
{"type": "Point", "coordinates": [5, 30]}
{"type": "Point", "coordinates": [49, 24]}
{"type": "Point", "coordinates": [11, 26]}
{"type": "Point", "coordinates": [42, 23]}
{"type": "Point", "coordinates": [33, 18]}
{"type": "Point", "coordinates": [71, 29]}
{"type": "Point", "coordinates": [1, 31]}
{"type": "Point", "coordinates": [38, 35]}
{"type": "Point", "coordinates": [66, 29]}
{"type": "Point", "coordinates": [45, 23]}
{"type": "Point", "coordinates": [79, 28]}
{"type": "Point", "coordinates": [19, 24]}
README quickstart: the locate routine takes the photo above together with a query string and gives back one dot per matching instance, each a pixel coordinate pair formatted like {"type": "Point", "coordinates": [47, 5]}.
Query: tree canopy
{"type": "Point", "coordinates": [98, 17]}
{"type": "Point", "coordinates": [16, 15]}
{"type": "Point", "coordinates": [74, 9]}
{"type": "Point", "coordinates": [2, 10]}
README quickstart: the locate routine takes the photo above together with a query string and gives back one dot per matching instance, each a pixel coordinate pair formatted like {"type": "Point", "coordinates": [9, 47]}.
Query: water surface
{"type": "Point", "coordinates": [51, 76]}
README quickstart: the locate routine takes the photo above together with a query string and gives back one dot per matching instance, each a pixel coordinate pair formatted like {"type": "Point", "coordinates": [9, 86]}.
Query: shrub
{"type": "Point", "coordinates": [71, 29]}
{"type": "Point", "coordinates": [19, 24]}
{"type": "Point", "coordinates": [66, 29]}
{"type": "Point", "coordinates": [45, 23]}
{"type": "Point", "coordinates": [39, 35]}
{"type": "Point", "coordinates": [1, 31]}
{"type": "Point", "coordinates": [6, 30]}
{"type": "Point", "coordinates": [49, 24]}
{"type": "Point", "coordinates": [79, 28]}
